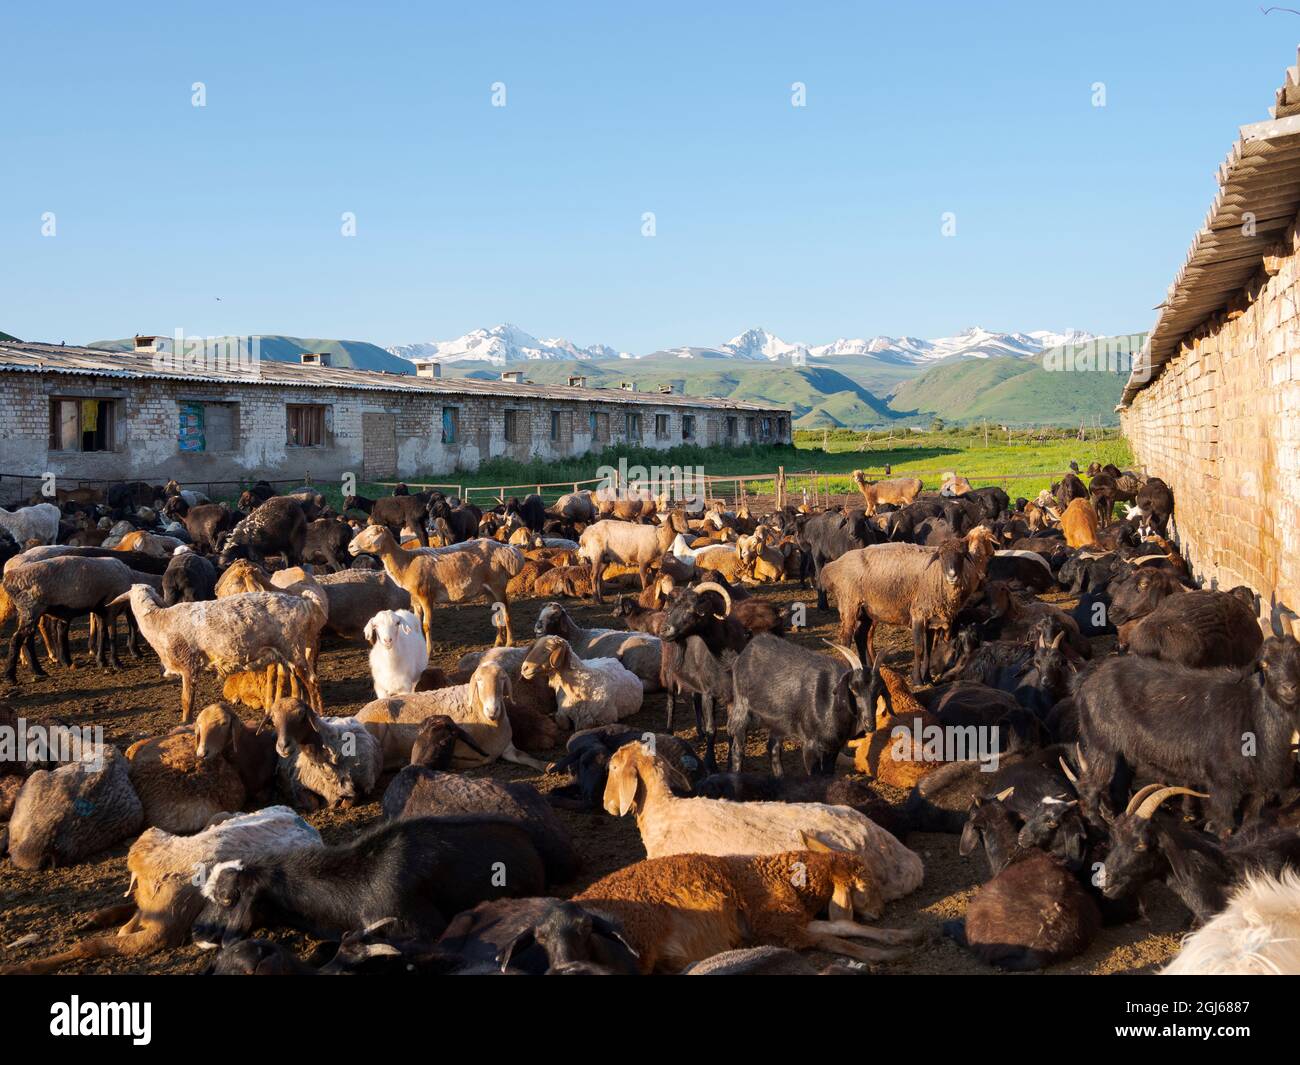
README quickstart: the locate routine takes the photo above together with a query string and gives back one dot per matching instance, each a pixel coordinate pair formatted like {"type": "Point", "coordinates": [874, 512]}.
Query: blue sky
{"type": "Point", "coordinates": [815, 222]}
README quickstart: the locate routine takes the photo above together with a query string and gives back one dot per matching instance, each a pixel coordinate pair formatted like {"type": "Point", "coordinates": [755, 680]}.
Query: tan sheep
{"type": "Point", "coordinates": [639, 782]}
{"type": "Point", "coordinates": [181, 792]}
{"type": "Point", "coordinates": [899, 491]}
{"type": "Point", "coordinates": [1079, 524]}
{"type": "Point", "coordinates": [478, 706]}
{"type": "Point", "coordinates": [458, 574]}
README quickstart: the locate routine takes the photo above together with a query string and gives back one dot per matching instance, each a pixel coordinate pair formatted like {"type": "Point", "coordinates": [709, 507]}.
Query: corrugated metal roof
{"type": "Point", "coordinates": [20, 357]}
{"type": "Point", "coordinates": [1260, 177]}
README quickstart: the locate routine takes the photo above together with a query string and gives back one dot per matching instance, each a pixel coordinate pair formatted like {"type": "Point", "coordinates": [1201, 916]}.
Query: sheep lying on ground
{"type": "Point", "coordinates": [167, 873]}
{"type": "Point", "coordinates": [638, 651]}
{"type": "Point", "coordinates": [597, 691]}
{"type": "Point", "coordinates": [479, 707]}
{"type": "Point", "coordinates": [681, 909]}
{"type": "Point", "coordinates": [324, 761]}
{"type": "Point", "coordinates": [240, 632]}
{"type": "Point", "coordinates": [531, 706]}
{"type": "Point", "coordinates": [1080, 524]}
{"type": "Point", "coordinates": [40, 522]}
{"type": "Point", "coordinates": [398, 653]}
{"type": "Point", "coordinates": [420, 792]}
{"type": "Point", "coordinates": [65, 815]}
{"type": "Point", "coordinates": [640, 782]}
{"type": "Point", "coordinates": [180, 791]}
{"type": "Point", "coordinates": [355, 596]}
{"type": "Point", "coordinates": [220, 734]}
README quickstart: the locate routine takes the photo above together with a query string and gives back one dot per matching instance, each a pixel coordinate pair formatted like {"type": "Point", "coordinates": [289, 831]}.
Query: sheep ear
{"type": "Point", "coordinates": [812, 843]}
{"type": "Point", "coordinates": [369, 631]}
{"type": "Point", "coordinates": [628, 782]}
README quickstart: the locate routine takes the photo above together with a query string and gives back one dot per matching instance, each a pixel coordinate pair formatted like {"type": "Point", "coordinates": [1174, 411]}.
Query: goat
{"type": "Point", "coordinates": [900, 490]}
{"type": "Point", "coordinates": [398, 653]}
{"type": "Point", "coordinates": [591, 692]}
{"type": "Point", "coordinates": [1198, 629]}
{"type": "Point", "coordinates": [639, 546]}
{"type": "Point", "coordinates": [324, 761]}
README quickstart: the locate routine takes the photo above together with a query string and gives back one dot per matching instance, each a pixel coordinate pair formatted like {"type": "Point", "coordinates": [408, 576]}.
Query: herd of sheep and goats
{"type": "Point", "coordinates": [1079, 715]}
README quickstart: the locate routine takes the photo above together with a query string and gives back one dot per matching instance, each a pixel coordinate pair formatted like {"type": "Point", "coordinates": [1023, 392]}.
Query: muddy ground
{"type": "Point", "coordinates": [136, 702]}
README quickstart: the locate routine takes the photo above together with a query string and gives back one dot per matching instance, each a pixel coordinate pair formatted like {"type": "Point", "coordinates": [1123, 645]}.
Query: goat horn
{"type": "Point", "coordinates": [714, 586]}
{"type": "Point", "coordinates": [854, 661]}
{"type": "Point", "coordinates": [1154, 800]}
{"type": "Point", "coordinates": [1139, 795]}
{"type": "Point", "coordinates": [1083, 762]}
{"type": "Point", "coordinates": [1065, 768]}
{"type": "Point", "coordinates": [1003, 796]}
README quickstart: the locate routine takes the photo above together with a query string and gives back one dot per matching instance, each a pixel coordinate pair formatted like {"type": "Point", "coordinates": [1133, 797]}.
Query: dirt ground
{"type": "Point", "coordinates": [136, 702]}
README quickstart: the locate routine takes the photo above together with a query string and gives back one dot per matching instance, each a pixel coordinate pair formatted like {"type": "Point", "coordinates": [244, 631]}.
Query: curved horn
{"type": "Point", "coordinates": [1139, 795]}
{"type": "Point", "coordinates": [851, 655]}
{"type": "Point", "coordinates": [1154, 800]}
{"type": "Point", "coordinates": [1083, 762]}
{"type": "Point", "coordinates": [1065, 768]}
{"type": "Point", "coordinates": [713, 586]}
{"type": "Point", "coordinates": [1003, 796]}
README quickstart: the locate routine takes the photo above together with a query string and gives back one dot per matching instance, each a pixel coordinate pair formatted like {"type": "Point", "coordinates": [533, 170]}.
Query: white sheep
{"type": "Point", "coordinates": [324, 761]}
{"type": "Point", "coordinates": [1258, 934]}
{"type": "Point", "coordinates": [39, 522]}
{"type": "Point", "coordinates": [398, 653]}
{"type": "Point", "coordinates": [591, 692]}
{"type": "Point", "coordinates": [639, 782]}
{"type": "Point", "coordinates": [238, 633]}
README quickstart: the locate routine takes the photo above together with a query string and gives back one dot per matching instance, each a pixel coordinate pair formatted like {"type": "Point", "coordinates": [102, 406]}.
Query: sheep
{"type": "Point", "coordinates": [760, 563]}
{"type": "Point", "coordinates": [903, 584]}
{"type": "Point", "coordinates": [324, 761]}
{"type": "Point", "coordinates": [65, 587]}
{"type": "Point", "coordinates": [534, 697]}
{"type": "Point", "coordinates": [640, 618]}
{"type": "Point", "coordinates": [39, 522]}
{"type": "Point", "coordinates": [1079, 523]}
{"type": "Point", "coordinates": [900, 490]}
{"type": "Point", "coordinates": [640, 546]}
{"type": "Point", "coordinates": [180, 791]}
{"type": "Point", "coordinates": [420, 792]}
{"type": "Point", "coordinates": [953, 485]}
{"type": "Point", "coordinates": [394, 513]}
{"type": "Point", "coordinates": [532, 511]}
{"type": "Point", "coordinates": [461, 521]}
{"type": "Point", "coordinates": [240, 632]}
{"type": "Point", "coordinates": [639, 782]}
{"type": "Point", "coordinates": [398, 654]}
{"type": "Point", "coordinates": [587, 755]}
{"type": "Point", "coordinates": [1030, 915]}
{"type": "Point", "coordinates": [893, 751]}
{"type": "Point", "coordinates": [479, 707]}
{"type": "Point", "coordinates": [564, 582]}
{"type": "Point", "coordinates": [326, 543]}
{"type": "Point", "coordinates": [1155, 501]}
{"type": "Point", "coordinates": [825, 537]}
{"type": "Point", "coordinates": [435, 743]}
{"type": "Point", "coordinates": [167, 876]}
{"type": "Point", "coordinates": [220, 734]}
{"type": "Point", "coordinates": [637, 651]}
{"type": "Point", "coordinates": [1256, 935]}
{"type": "Point", "coordinates": [1166, 722]}
{"type": "Point", "coordinates": [189, 578]}
{"type": "Point", "coordinates": [590, 692]}
{"type": "Point", "coordinates": [277, 527]}
{"type": "Point", "coordinates": [576, 507]}
{"type": "Point", "coordinates": [63, 816]}
{"type": "Point", "coordinates": [420, 871]}
{"type": "Point", "coordinates": [681, 909]}
{"type": "Point", "coordinates": [797, 693]}
{"type": "Point", "coordinates": [148, 543]}
{"type": "Point", "coordinates": [1198, 629]}
{"type": "Point", "coordinates": [456, 574]}
{"type": "Point", "coordinates": [356, 596]}
{"type": "Point", "coordinates": [208, 525]}
{"type": "Point", "coordinates": [524, 583]}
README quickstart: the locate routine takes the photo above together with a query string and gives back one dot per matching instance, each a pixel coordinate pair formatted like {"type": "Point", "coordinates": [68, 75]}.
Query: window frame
{"type": "Point", "coordinates": [107, 405]}
{"type": "Point", "coordinates": [317, 411]}
{"type": "Point", "coordinates": [454, 436]}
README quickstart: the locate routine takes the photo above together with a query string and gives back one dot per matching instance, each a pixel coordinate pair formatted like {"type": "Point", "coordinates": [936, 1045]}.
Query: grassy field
{"type": "Point", "coordinates": [1023, 463]}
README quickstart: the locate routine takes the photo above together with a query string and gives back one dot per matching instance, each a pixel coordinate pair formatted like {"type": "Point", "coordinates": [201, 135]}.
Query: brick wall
{"type": "Point", "coordinates": [147, 416]}
{"type": "Point", "coordinates": [1221, 425]}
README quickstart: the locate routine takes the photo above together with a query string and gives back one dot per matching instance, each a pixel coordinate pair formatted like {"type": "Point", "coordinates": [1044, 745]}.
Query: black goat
{"type": "Point", "coordinates": [532, 512]}
{"type": "Point", "coordinates": [189, 578]}
{"type": "Point", "coordinates": [1227, 731]}
{"type": "Point", "coordinates": [462, 521]}
{"type": "Point", "coordinates": [701, 643]}
{"type": "Point", "coordinates": [394, 513]}
{"type": "Point", "coordinates": [1156, 501]}
{"type": "Point", "coordinates": [797, 693]}
{"type": "Point", "coordinates": [421, 870]}
{"type": "Point", "coordinates": [1199, 629]}
{"type": "Point", "coordinates": [825, 537]}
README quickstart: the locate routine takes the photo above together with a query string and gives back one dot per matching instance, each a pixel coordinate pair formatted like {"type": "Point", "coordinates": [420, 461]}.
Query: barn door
{"type": "Point", "coordinates": [378, 446]}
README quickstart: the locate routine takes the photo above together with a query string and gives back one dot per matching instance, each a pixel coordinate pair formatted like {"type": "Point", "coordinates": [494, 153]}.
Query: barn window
{"type": "Point", "coordinates": [207, 427]}
{"type": "Point", "coordinates": [749, 428]}
{"type": "Point", "coordinates": [518, 429]}
{"type": "Point", "coordinates": [688, 426]}
{"type": "Point", "coordinates": [555, 425]}
{"type": "Point", "coordinates": [661, 427]}
{"type": "Point", "coordinates": [600, 427]}
{"type": "Point", "coordinates": [82, 424]}
{"type": "Point", "coordinates": [450, 424]}
{"type": "Point", "coordinates": [633, 426]}
{"type": "Point", "coordinates": [306, 424]}
{"type": "Point", "coordinates": [731, 427]}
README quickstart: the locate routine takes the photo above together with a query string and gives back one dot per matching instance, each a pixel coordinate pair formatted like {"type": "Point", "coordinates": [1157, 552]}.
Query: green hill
{"type": "Point", "coordinates": [350, 354]}
{"type": "Point", "coordinates": [806, 390]}
{"type": "Point", "coordinates": [6, 336]}
{"type": "Point", "coordinates": [1010, 392]}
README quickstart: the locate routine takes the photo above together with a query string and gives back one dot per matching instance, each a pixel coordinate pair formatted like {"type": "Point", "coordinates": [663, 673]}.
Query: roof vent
{"type": "Point", "coordinates": [428, 369]}
{"type": "Point", "coordinates": [666, 390]}
{"type": "Point", "coordinates": [577, 381]}
{"type": "Point", "coordinates": [314, 358]}
{"type": "Point", "coordinates": [146, 343]}
{"type": "Point", "coordinates": [515, 377]}
{"type": "Point", "coordinates": [627, 386]}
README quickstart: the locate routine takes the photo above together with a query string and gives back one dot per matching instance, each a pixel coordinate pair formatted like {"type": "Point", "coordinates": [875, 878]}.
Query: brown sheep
{"type": "Point", "coordinates": [181, 792]}
{"type": "Point", "coordinates": [900, 490]}
{"type": "Point", "coordinates": [570, 582]}
{"type": "Point", "coordinates": [220, 734]}
{"type": "Point", "coordinates": [891, 759]}
{"type": "Point", "coordinates": [922, 588]}
{"type": "Point", "coordinates": [1079, 524]}
{"type": "Point", "coordinates": [523, 583]}
{"type": "Point", "coordinates": [682, 908]}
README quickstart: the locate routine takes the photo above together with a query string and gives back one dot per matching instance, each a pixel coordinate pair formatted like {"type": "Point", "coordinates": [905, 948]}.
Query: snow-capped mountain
{"type": "Point", "coordinates": [501, 344]}
{"type": "Point", "coordinates": [506, 343]}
